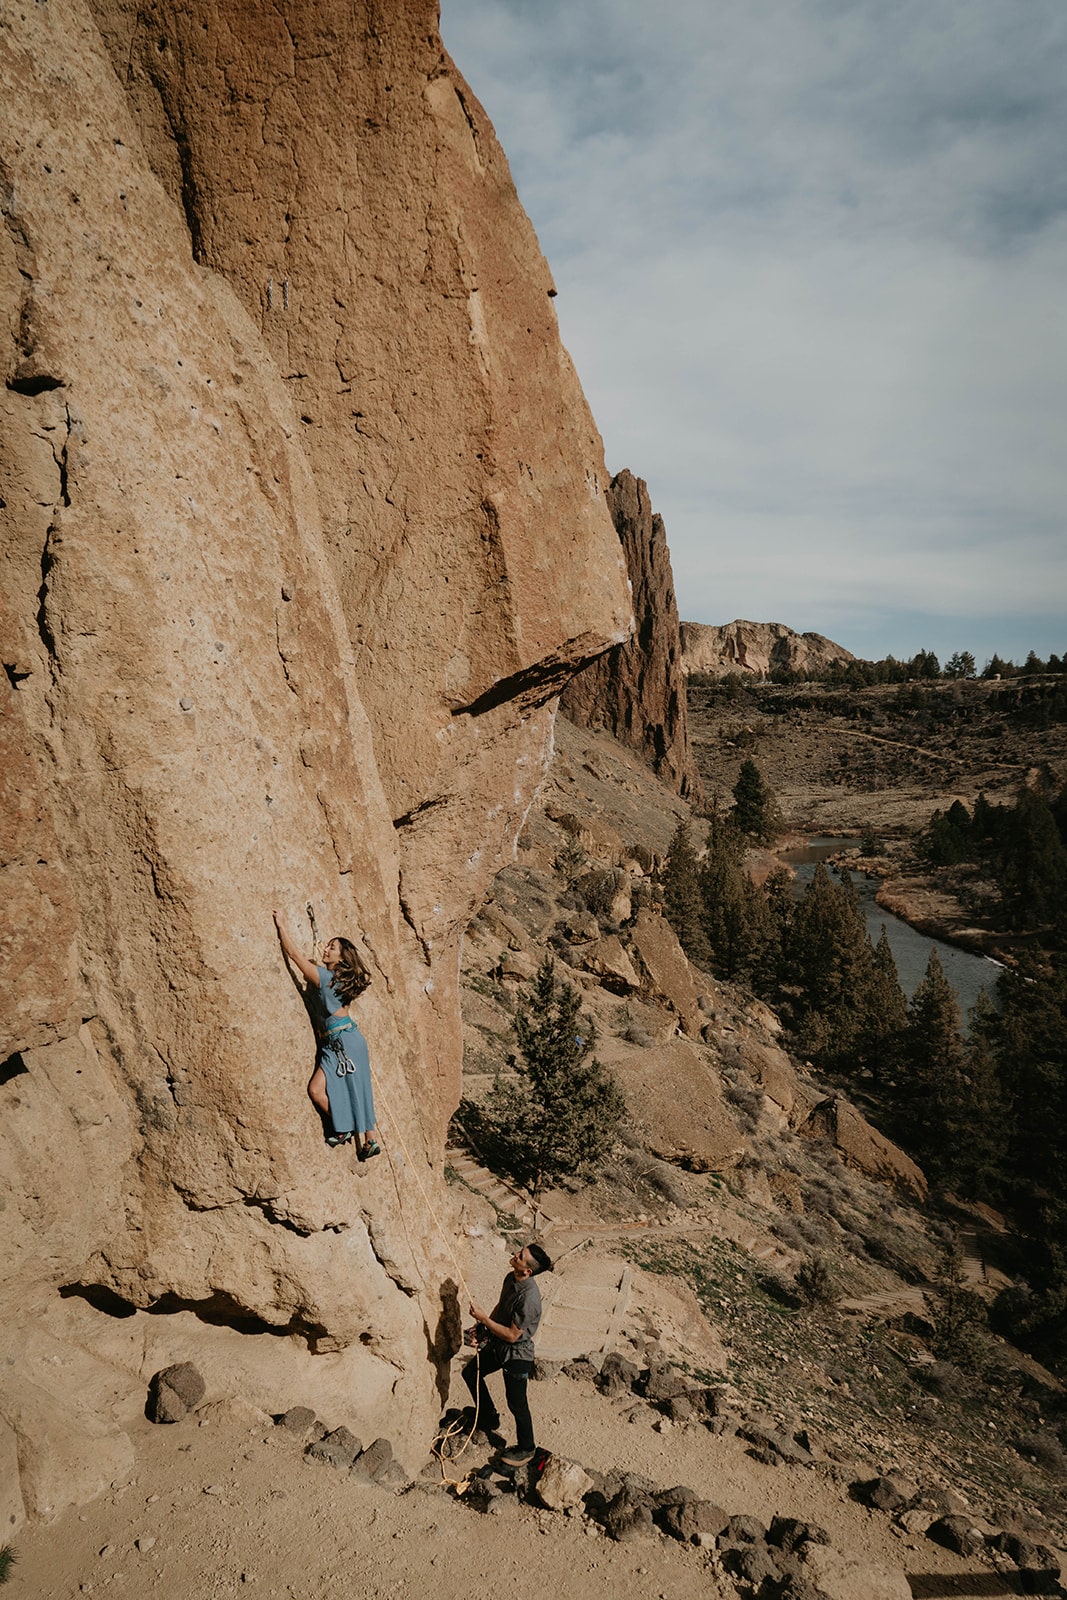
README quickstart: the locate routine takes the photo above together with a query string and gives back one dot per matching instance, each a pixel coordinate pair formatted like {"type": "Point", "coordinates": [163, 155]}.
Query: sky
{"type": "Point", "coordinates": [811, 258]}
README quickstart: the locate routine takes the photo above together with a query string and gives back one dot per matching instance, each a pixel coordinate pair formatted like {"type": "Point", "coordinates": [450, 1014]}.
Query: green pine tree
{"type": "Point", "coordinates": [754, 812]}
{"type": "Point", "coordinates": [827, 957]}
{"type": "Point", "coordinates": [883, 1020]}
{"type": "Point", "coordinates": [733, 912]}
{"type": "Point", "coordinates": [983, 1153]}
{"type": "Point", "coordinates": [560, 1116]}
{"type": "Point", "coordinates": [1030, 1039]}
{"type": "Point", "coordinates": [931, 1099]}
{"type": "Point", "coordinates": [1032, 864]}
{"type": "Point", "coordinates": [682, 899]}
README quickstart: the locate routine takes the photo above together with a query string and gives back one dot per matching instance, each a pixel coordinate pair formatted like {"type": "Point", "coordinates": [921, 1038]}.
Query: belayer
{"type": "Point", "coordinates": [508, 1346]}
{"type": "Point", "coordinates": [340, 1086]}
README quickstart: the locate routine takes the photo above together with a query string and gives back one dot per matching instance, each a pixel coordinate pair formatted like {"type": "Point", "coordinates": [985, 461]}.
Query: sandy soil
{"type": "Point", "coordinates": [226, 1505]}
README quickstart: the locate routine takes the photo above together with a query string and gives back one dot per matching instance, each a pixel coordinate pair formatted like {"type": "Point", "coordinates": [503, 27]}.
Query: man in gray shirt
{"type": "Point", "coordinates": [510, 1326]}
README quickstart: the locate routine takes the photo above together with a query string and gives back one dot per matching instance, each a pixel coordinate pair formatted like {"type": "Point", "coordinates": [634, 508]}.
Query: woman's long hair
{"type": "Point", "coordinates": [351, 974]}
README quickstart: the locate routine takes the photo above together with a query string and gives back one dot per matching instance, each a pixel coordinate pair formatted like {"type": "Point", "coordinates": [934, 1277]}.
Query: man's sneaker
{"type": "Point", "coordinates": [517, 1457]}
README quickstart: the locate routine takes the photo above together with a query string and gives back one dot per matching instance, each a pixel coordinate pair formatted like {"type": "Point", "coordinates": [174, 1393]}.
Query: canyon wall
{"type": "Point", "coordinates": [305, 526]}
{"type": "Point", "coordinates": [637, 690]}
{"type": "Point", "coordinates": [756, 648]}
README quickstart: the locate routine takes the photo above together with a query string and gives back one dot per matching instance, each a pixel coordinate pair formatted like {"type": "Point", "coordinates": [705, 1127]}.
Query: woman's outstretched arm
{"type": "Point", "coordinates": [302, 964]}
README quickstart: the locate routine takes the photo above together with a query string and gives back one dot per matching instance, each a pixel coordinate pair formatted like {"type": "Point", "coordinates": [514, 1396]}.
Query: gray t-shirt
{"type": "Point", "coordinates": [519, 1306]}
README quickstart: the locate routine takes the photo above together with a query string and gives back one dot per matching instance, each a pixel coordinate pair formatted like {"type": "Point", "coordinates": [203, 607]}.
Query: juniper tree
{"type": "Point", "coordinates": [561, 1113]}
{"type": "Point", "coordinates": [1032, 864]}
{"type": "Point", "coordinates": [981, 1158]}
{"type": "Point", "coordinates": [1030, 1038]}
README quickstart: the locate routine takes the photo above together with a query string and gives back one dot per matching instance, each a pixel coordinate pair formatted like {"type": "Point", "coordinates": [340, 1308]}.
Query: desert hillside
{"type": "Point", "coordinates": [823, 1447]}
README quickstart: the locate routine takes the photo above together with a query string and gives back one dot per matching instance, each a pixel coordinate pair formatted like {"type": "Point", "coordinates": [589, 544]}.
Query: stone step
{"type": "Point", "coordinates": [499, 1193]}
{"type": "Point", "coordinates": [583, 1314]}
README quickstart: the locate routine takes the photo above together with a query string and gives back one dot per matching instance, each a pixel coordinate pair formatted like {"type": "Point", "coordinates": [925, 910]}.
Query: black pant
{"type": "Point", "coordinates": [516, 1373]}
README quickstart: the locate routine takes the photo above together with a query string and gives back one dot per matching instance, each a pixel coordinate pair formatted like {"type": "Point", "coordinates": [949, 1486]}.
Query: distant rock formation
{"type": "Point", "coordinates": [304, 529]}
{"type": "Point", "coordinates": [755, 648]}
{"type": "Point", "coordinates": [637, 690]}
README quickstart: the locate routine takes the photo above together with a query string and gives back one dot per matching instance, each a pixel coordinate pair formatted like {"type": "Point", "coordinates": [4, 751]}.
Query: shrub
{"type": "Point", "coordinates": [815, 1282]}
{"type": "Point", "coordinates": [7, 1561]}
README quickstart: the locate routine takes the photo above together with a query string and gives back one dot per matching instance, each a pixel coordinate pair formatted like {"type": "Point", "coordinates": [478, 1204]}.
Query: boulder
{"type": "Point", "coordinates": [889, 1493]}
{"type": "Point", "coordinates": [693, 1521]}
{"type": "Point", "coordinates": [789, 1533]}
{"type": "Point", "coordinates": [626, 1517]}
{"type": "Point", "coordinates": [772, 1069]}
{"type": "Point", "coordinates": [863, 1147]}
{"type": "Point", "coordinates": [957, 1532]}
{"type": "Point", "coordinates": [298, 1419]}
{"type": "Point", "coordinates": [774, 1445]}
{"type": "Point", "coordinates": [753, 1563]}
{"type": "Point", "coordinates": [844, 1577]}
{"type": "Point", "coordinates": [608, 961]}
{"type": "Point", "coordinates": [369, 1465]}
{"type": "Point", "coordinates": [339, 1449]}
{"type": "Point", "coordinates": [656, 946]}
{"type": "Point", "coordinates": [693, 1123]}
{"type": "Point", "coordinates": [743, 1529]}
{"type": "Point", "coordinates": [580, 927]}
{"type": "Point", "coordinates": [563, 1484]}
{"type": "Point", "coordinates": [662, 1383]}
{"type": "Point", "coordinates": [617, 1375]}
{"type": "Point", "coordinates": [173, 1392]}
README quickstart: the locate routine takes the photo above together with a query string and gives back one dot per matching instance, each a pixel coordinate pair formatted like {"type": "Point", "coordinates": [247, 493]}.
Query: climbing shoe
{"type": "Point", "coordinates": [372, 1149]}
{"type": "Point", "coordinates": [516, 1458]}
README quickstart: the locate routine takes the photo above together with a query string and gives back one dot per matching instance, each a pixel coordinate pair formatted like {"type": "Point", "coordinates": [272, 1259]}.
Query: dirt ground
{"type": "Point", "coordinates": [226, 1504]}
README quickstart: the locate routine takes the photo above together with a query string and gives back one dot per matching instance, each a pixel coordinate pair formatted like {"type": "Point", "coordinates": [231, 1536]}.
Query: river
{"type": "Point", "coordinates": [967, 973]}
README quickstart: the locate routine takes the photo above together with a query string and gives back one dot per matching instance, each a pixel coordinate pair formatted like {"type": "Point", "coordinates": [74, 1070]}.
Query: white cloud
{"type": "Point", "coordinates": [810, 258]}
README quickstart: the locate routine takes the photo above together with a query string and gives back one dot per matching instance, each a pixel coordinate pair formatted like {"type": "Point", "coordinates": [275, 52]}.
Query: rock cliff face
{"type": "Point", "coordinates": [637, 690]}
{"type": "Point", "coordinates": [304, 527]}
{"type": "Point", "coordinates": [756, 648]}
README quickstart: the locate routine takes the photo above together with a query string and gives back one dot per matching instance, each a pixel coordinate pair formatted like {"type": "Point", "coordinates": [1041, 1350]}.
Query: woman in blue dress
{"type": "Point", "coordinates": [340, 1086]}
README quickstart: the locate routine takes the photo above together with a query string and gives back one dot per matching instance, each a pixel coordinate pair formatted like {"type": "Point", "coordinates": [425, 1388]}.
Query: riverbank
{"type": "Point", "coordinates": [916, 917]}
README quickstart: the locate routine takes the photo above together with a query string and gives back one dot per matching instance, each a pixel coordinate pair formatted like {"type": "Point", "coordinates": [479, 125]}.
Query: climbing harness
{"type": "Point", "coordinates": [335, 1027]}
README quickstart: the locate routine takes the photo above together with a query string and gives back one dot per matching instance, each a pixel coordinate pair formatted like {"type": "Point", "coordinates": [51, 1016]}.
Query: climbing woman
{"type": "Point", "coordinates": [340, 1086]}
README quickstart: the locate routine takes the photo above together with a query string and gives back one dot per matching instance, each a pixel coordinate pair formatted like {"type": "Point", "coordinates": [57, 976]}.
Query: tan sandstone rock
{"type": "Point", "coordinates": [656, 945]}
{"type": "Point", "coordinates": [608, 961]}
{"type": "Point", "coordinates": [637, 690]}
{"type": "Point", "coordinates": [772, 1070]}
{"type": "Point", "coordinates": [862, 1146]}
{"type": "Point", "coordinates": [755, 648]}
{"type": "Point", "coordinates": [304, 527]}
{"type": "Point", "coordinates": [692, 1120]}
{"type": "Point", "coordinates": [844, 1577]}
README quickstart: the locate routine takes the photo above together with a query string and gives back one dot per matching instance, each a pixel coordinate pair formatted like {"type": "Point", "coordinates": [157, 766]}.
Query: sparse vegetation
{"type": "Point", "coordinates": [7, 1561]}
{"type": "Point", "coordinates": [815, 1281]}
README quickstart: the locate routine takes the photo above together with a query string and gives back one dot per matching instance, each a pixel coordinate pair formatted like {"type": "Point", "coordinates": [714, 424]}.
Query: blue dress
{"type": "Point", "coordinates": [344, 1058]}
